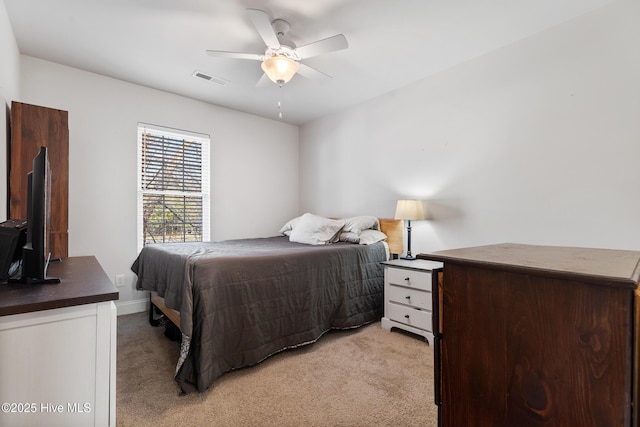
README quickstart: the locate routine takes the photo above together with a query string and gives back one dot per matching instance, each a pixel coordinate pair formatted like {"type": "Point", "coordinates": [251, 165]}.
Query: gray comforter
{"type": "Point", "coordinates": [241, 301]}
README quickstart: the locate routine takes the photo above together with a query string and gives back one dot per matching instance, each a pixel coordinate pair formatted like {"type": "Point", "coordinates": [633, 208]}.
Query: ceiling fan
{"type": "Point", "coordinates": [281, 59]}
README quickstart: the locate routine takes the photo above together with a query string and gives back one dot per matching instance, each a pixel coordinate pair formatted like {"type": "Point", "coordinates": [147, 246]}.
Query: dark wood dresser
{"type": "Point", "coordinates": [536, 336]}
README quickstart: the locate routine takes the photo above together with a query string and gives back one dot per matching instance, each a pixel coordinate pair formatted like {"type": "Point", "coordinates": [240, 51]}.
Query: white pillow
{"type": "Point", "coordinates": [286, 229]}
{"type": "Point", "coordinates": [348, 236]}
{"type": "Point", "coordinates": [316, 230]}
{"type": "Point", "coordinates": [369, 237]}
{"type": "Point", "coordinates": [358, 223]}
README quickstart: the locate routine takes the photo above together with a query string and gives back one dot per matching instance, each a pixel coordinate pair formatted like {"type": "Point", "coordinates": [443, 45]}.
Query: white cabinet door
{"type": "Point", "coordinates": [57, 367]}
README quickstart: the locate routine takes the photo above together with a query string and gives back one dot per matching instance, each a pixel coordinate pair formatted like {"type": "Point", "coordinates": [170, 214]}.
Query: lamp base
{"type": "Point", "coordinates": [409, 258]}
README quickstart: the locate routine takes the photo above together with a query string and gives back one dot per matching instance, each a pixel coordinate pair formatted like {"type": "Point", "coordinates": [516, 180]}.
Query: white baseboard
{"type": "Point", "coordinates": [133, 306]}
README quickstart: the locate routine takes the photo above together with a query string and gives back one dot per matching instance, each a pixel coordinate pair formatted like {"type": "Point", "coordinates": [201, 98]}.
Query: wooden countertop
{"type": "Point", "coordinates": [83, 282]}
{"type": "Point", "coordinates": [610, 267]}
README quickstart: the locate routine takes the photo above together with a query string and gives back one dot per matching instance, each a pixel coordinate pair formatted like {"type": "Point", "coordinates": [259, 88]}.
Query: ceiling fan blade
{"type": "Point", "coordinates": [264, 81]}
{"type": "Point", "coordinates": [313, 74]}
{"type": "Point", "coordinates": [263, 26]}
{"type": "Point", "coordinates": [235, 55]}
{"type": "Point", "coordinates": [327, 45]}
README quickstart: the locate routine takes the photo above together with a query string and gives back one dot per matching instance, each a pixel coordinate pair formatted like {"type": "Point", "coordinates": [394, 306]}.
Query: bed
{"type": "Point", "coordinates": [237, 302]}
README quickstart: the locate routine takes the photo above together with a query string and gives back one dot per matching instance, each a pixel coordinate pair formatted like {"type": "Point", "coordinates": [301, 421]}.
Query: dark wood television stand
{"type": "Point", "coordinates": [58, 348]}
{"type": "Point", "coordinates": [83, 282]}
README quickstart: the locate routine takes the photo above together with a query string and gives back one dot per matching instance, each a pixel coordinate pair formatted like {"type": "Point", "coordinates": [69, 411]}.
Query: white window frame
{"type": "Point", "coordinates": [205, 141]}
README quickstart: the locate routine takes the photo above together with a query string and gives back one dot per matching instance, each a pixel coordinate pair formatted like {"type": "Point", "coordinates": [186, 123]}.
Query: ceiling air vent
{"type": "Point", "coordinates": [209, 78]}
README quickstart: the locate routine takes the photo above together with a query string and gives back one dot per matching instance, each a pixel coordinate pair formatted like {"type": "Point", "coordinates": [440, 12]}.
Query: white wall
{"type": "Point", "coordinates": [9, 86]}
{"type": "Point", "coordinates": [535, 143]}
{"type": "Point", "coordinates": [254, 161]}
{"type": "Point", "coordinates": [9, 58]}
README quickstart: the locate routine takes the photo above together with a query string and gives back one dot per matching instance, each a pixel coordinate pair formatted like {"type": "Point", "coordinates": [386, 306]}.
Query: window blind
{"type": "Point", "coordinates": [173, 185]}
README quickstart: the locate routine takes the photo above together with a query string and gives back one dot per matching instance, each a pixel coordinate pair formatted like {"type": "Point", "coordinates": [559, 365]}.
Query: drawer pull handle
{"type": "Point", "coordinates": [408, 297]}
{"type": "Point", "coordinates": [407, 279]}
{"type": "Point", "coordinates": [406, 316]}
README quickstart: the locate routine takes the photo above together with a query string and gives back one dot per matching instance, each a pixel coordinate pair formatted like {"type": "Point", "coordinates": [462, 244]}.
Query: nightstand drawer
{"type": "Point", "coordinates": [409, 278]}
{"type": "Point", "coordinates": [413, 297]}
{"type": "Point", "coordinates": [409, 316]}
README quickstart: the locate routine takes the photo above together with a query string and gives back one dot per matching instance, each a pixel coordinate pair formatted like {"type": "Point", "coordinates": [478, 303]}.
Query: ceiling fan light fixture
{"type": "Point", "coordinates": [279, 68]}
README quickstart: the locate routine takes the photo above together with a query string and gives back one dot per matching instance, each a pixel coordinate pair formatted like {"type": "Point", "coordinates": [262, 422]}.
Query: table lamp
{"type": "Point", "coordinates": [409, 210]}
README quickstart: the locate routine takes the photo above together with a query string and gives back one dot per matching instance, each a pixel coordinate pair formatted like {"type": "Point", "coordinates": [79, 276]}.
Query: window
{"type": "Point", "coordinates": [173, 185]}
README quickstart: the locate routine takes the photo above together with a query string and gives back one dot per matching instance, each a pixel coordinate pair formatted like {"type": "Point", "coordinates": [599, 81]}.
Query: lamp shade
{"type": "Point", "coordinates": [409, 209]}
{"type": "Point", "coordinates": [279, 68]}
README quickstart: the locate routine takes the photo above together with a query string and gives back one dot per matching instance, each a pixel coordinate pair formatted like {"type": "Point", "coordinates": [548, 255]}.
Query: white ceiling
{"type": "Point", "coordinates": [160, 43]}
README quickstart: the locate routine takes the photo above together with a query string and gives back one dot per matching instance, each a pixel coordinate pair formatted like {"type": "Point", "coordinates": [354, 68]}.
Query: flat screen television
{"type": "Point", "coordinates": [35, 252]}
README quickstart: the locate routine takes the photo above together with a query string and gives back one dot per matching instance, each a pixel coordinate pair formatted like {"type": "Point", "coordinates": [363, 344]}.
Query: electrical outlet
{"type": "Point", "coordinates": [120, 279]}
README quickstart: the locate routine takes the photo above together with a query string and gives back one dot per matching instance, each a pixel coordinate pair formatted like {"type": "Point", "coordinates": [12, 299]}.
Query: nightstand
{"type": "Point", "coordinates": [407, 295]}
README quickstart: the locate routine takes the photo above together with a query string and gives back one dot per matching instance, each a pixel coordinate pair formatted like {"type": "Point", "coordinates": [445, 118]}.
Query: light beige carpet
{"type": "Point", "coordinates": [361, 377]}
